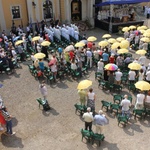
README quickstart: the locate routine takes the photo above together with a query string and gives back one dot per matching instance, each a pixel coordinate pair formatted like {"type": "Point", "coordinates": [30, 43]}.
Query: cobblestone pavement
{"type": "Point", "coordinates": [60, 128]}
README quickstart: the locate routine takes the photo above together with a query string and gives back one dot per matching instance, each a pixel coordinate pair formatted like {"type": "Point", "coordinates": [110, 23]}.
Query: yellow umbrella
{"type": "Point", "coordinates": [112, 40]}
{"type": "Point", "coordinates": [106, 36]}
{"type": "Point", "coordinates": [146, 34]}
{"type": "Point", "coordinates": [84, 84]}
{"type": "Point", "coordinates": [125, 29]}
{"type": "Point", "coordinates": [122, 51]}
{"type": "Point", "coordinates": [39, 55]}
{"type": "Point", "coordinates": [134, 66]}
{"type": "Point", "coordinates": [103, 43]}
{"type": "Point", "coordinates": [145, 39]}
{"type": "Point", "coordinates": [141, 52]}
{"type": "Point", "coordinates": [115, 45]}
{"type": "Point", "coordinates": [148, 30]}
{"type": "Point", "coordinates": [79, 44]}
{"type": "Point", "coordinates": [91, 39]}
{"type": "Point", "coordinates": [19, 42]}
{"type": "Point", "coordinates": [45, 43]}
{"type": "Point", "coordinates": [132, 27]}
{"type": "Point", "coordinates": [36, 38]}
{"type": "Point", "coordinates": [119, 39]}
{"type": "Point", "coordinates": [124, 44]}
{"type": "Point", "coordinates": [143, 27]}
{"type": "Point", "coordinates": [142, 85]}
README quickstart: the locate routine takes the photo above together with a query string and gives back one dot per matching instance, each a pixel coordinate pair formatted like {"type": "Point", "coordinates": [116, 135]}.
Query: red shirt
{"type": "Point", "coordinates": [71, 54]}
{"type": "Point", "coordinates": [89, 45]}
{"type": "Point", "coordinates": [111, 59]}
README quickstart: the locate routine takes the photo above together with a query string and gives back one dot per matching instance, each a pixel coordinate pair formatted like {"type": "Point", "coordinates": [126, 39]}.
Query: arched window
{"type": "Point", "coordinates": [48, 9]}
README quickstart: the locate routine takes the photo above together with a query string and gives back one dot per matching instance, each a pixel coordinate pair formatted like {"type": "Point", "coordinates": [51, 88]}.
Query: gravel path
{"type": "Point", "coordinates": [59, 129]}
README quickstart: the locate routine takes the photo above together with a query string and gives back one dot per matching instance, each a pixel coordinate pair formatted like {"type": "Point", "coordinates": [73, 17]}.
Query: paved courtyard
{"type": "Point", "coordinates": [60, 128]}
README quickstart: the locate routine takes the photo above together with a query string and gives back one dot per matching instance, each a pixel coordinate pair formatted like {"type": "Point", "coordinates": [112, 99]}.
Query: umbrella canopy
{"type": "Point", "coordinates": [134, 66]}
{"type": "Point", "coordinates": [112, 40]}
{"type": "Point", "coordinates": [92, 38]}
{"type": "Point", "coordinates": [39, 55]}
{"type": "Point", "coordinates": [1, 39]}
{"type": "Point", "coordinates": [142, 85]}
{"type": "Point", "coordinates": [115, 45]}
{"type": "Point", "coordinates": [148, 30]}
{"type": "Point", "coordinates": [36, 38]}
{"type": "Point", "coordinates": [111, 67]}
{"type": "Point", "coordinates": [16, 38]}
{"type": "Point", "coordinates": [122, 51]}
{"type": "Point", "coordinates": [145, 39]}
{"type": "Point", "coordinates": [143, 27]}
{"type": "Point", "coordinates": [125, 29]}
{"type": "Point", "coordinates": [146, 34]}
{"type": "Point", "coordinates": [69, 48]}
{"type": "Point", "coordinates": [124, 44]}
{"type": "Point", "coordinates": [106, 36]}
{"type": "Point", "coordinates": [141, 52]}
{"type": "Point", "coordinates": [103, 43]}
{"type": "Point", "coordinates": [19, 42]}
{"type": "Point", "coordinates": [132, 27]}
{"type": "Point", "coordinates": [45, 43]}
{"type": "Point", "coordinates": [79, 44]}
{"type": "Point", "coordinates": [119, 39]}
{"type": "Point", "coordinates": [84, 84]}
{"type": "Point", "coordinates": [84, 41]}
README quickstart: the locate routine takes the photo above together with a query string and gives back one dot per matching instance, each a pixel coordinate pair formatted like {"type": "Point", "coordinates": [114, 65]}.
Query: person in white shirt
{"type": "Point", "coordinates": [142, 60]}
{"type": "Point", "coordinates": [141, 75]}
{"type": "Point", "coordinates": [140, 100]}
{"type": "Point", "coordinates": [132, 76]}
{"type": "Point", "coordinates": [118, 76]}
{"type": "Point", "coordinates": [88, 119]}
{"type": "Point", "coordinates": [125, 103]}
{"type": "Point", "coordinates": [148, 76]}
{"type": "Point", "coordinates": [100, 66]}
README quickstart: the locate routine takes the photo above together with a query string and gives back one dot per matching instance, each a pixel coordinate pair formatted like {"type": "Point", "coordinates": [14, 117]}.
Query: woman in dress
{"type": "Point", "coordinates": [141, 75]}
{"type": "Point", "coordinates": [91, 100]}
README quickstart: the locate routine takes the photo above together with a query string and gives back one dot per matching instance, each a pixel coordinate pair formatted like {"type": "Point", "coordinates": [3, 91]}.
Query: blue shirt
{"type": "Point", "coordinates": [100, 120]}
{"type": "Point", "coordinates": [105, 57]}
{"type": "Point", "coordinates": [41, 66]}
{"type": "Point", "coordinates": [60, 50]}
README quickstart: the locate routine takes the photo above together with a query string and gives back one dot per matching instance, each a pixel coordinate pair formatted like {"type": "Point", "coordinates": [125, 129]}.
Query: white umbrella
{"type": "Point", "coordinates": [69, 48]}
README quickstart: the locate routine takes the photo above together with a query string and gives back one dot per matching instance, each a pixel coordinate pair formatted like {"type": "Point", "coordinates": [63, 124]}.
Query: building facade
{"type": "Point", "coordinates": [22, 12]}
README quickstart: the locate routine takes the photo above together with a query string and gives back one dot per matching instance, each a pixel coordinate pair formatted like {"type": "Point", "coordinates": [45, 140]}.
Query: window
{"type": "Point", "coordinates": [15, 12]}
{"type": "Point", "coordinates": [48, 9]}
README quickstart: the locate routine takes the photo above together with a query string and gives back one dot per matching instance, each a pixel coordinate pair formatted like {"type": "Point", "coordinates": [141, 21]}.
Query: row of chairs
{"type": "Point", "coordinates": [91, 136]}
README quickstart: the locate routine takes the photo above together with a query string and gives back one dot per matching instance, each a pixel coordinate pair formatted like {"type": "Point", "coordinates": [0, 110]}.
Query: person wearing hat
{"type": "Point", "coordinates": [100, 121]}
{"type": "Point", "coordinates": [88, 119]}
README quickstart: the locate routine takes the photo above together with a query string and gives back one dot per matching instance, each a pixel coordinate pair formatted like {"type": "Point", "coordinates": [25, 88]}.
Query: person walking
{"type": "Point", "coordinates": [8, 119]}
{"type": "Point", "coordinates": [82, 94]}
{"type": "Point", "coordinates": [100, 121]}
{"type": "Point", "coordinates": [88, 119]}
{"type": "Point", "coordinates": [43, 90]}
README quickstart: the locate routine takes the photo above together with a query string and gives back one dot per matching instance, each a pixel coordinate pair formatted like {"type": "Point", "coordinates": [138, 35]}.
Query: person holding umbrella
{"type": "Point", "coordinates": [82, 94]}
